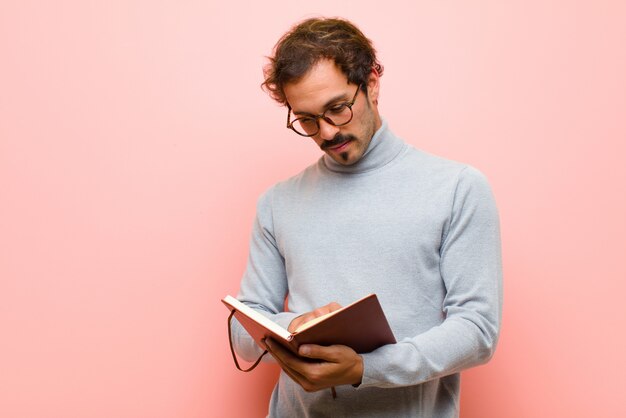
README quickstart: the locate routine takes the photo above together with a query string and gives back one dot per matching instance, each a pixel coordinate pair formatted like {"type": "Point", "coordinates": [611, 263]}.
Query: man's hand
{"type": "Point", "coordinates": [318, 367]}
{"type": "Point", "coordinates": [333, 306]}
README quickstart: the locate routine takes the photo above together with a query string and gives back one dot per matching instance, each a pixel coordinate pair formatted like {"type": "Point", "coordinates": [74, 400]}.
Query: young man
{"type": "Point", "coordinates": [372, 215]}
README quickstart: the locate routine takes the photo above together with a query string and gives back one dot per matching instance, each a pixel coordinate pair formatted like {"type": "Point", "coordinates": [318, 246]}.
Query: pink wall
{"type": "Point", "coordinates": [134, 141]}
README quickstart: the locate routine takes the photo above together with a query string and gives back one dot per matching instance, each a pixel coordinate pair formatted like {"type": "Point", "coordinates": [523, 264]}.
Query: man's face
{"type": "Point", "coordinates": [321, 88]}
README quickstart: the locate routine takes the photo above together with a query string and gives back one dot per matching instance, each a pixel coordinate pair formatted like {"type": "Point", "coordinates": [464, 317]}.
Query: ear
{"type": "Point", "coordinates": [373, 86]}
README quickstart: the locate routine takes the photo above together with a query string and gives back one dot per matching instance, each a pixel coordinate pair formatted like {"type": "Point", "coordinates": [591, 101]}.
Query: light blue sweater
{"type": "Point", "coordinates": [419, 231]}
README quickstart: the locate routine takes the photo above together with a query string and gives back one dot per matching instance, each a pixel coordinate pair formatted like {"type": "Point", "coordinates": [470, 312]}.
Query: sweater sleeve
{"type": "Point", "coordinates": [471, 271]}
{"type": "Point", "coordinates": [264, 283]}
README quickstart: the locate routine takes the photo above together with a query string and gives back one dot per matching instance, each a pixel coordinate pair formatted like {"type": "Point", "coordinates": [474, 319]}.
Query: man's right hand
{"type": "Point", "coordinates": [309, 316]}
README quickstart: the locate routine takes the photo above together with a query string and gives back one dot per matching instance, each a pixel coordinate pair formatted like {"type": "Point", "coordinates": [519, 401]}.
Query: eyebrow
{"type": "Point", "coordinates": [335, 99]}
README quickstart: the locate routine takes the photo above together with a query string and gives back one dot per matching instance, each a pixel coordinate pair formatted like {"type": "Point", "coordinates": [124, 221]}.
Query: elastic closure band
{"type": "Point", "coordinates": [232, 350]}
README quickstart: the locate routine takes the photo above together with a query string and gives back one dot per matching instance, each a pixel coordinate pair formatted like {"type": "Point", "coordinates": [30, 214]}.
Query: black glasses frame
{"type": "Point", "coordinates": [322, 116]}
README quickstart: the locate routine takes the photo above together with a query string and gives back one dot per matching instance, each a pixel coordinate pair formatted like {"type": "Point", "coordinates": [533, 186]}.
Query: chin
{"type": "Point", "coordinates": [347, 160]}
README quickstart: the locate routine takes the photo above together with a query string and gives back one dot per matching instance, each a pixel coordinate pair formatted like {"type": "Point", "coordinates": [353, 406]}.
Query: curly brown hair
{"type": "Point", "coordinates": [312, 40]}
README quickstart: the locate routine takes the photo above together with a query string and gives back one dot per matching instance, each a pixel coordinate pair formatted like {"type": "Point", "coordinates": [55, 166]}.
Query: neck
{"type": "Point", "coordinates": [382, 149]}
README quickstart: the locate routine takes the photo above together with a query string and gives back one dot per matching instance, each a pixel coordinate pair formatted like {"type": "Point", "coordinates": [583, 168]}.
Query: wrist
{"type": "Point", "coordinates": [358, 372]}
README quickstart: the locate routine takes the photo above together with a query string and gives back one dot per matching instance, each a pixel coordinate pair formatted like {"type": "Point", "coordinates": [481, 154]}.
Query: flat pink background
{"type": "Point", "coordinates": [135, 140]}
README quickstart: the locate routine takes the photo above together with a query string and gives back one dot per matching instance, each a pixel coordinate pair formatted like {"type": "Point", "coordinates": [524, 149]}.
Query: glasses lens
{"type": "Point", "coordinates": [305, 126]}
{"type": "Point", "coordinates": [339, 115]}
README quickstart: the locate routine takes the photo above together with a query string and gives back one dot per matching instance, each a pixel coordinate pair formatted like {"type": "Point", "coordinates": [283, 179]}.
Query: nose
{"type": "Point", "coordinates": [327, 130]}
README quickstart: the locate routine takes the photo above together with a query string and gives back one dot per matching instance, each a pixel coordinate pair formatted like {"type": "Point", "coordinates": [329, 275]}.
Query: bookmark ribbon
{"type": "Point", "coordinates": [232, 350]}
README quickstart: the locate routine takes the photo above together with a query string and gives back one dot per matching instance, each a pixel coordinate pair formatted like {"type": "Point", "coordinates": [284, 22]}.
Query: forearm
{"type": "Point", "coordinates": [455, 345]}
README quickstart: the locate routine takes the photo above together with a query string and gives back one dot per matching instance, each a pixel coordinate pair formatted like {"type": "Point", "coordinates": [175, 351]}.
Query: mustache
{"type": "Point", "coordinates": [337, 140]}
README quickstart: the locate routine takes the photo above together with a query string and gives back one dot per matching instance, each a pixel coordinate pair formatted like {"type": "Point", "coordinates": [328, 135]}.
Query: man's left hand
{"type": "Point", "coordinates": [318, 367]}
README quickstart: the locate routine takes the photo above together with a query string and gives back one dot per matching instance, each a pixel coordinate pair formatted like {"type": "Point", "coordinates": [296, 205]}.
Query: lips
{"type": "Point", "coordinates": [340, 147]}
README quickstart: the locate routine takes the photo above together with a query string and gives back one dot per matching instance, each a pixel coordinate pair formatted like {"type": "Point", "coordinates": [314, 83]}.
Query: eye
{"type": "Point", "coordinates": [337, 109]}
{"type": "Point", "coordinates": [307, 124]}
{"type": "Point", "coordinates": [307, 121]}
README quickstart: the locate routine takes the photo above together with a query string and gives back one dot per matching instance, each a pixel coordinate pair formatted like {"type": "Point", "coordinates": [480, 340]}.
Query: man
{"type": "Point", "coordinates": [373, 215]}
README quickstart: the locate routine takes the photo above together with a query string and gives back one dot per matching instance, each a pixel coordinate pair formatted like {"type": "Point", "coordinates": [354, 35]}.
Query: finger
{"type": "Point", "coordinates": [283, 357]}
{"type": "Point", "coordinates": [277, 349]}
{"type": "Point", "coordinates": [297, 321]}
{"type": "Point", "coordinates": [301, 366]}
{"type": "Point", "coordinates": [333, 306]}
{"type": "Point", "coordinates": [326, 309]}
{"type": "Point", "coordinates": [315, 313]}
{"type": "Point", "coordinates": [332, 354]}
{"type": "Point", "coordinates": [320, 311]}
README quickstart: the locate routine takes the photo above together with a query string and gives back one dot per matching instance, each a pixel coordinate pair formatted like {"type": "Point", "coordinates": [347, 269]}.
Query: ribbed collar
{"type": "Point", "coordinates": [383, 148]}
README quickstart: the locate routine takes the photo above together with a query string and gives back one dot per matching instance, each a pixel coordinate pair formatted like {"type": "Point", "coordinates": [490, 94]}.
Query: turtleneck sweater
{"type": "Point", "coordinates": [422, 233]}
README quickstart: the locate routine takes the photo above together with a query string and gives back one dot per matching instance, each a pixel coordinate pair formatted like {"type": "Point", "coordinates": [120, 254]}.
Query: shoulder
{"type": "Point", "coordinates": [290, 187]}
{"type": "Point", "coordinates": [439, 171]}
{"type": "Point", "coordinates": [445, 177]}
{"type": "Point", "coordinates": [434, 164]}
{"type": "Point", "coordinates": [444, 166]}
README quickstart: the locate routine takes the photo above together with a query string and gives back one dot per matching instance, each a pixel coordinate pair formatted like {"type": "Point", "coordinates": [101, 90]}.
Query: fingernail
{"type": "Point", "coordinates": [305, 350]}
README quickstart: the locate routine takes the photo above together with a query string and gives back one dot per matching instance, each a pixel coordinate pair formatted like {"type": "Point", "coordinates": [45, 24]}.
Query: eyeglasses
{"type": "Point", "coordinates": [337, 115]}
